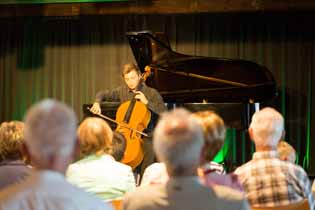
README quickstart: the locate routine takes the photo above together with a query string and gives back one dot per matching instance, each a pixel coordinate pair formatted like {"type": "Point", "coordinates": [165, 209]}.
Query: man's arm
{"type": "Point", "coordinates": [105, 95]}
{"type": "Point", "coordinates": [155, 102]}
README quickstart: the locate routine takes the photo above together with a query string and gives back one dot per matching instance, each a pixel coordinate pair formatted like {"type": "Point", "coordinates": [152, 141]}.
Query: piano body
{"type": "Point", "coordinates": [230, 87]}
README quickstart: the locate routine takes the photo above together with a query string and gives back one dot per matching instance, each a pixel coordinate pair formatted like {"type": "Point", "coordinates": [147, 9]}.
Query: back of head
{"type": "Point", "coordinates": [286, 151]}
{"type": "Point", "coordinates": [177, 142]}
{"type": "Point", "coordinates": [213, 130]}
{"type": "Point", "coordinates": [11, 140]}
{"type": "Point", "coordinates": [95, 137]}
{"type": "Point", "coordinates": [119, 146]}
{"type": "Point", "coordinates": [50, 130]}
{"type": "Point", "coordinates": [267, 127]}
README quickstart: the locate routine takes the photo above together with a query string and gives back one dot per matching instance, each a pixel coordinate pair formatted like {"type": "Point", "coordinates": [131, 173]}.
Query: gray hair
{"type": "Point", "coordinates": [50, 129]}
{"type": "Point", "coordinates": [178, 140]}
{"type": "Point", "coordinates": [267, 126]}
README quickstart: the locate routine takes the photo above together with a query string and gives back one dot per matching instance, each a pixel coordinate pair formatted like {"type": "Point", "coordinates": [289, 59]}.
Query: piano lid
{"type": "Point", "coordinates": [185, 78]}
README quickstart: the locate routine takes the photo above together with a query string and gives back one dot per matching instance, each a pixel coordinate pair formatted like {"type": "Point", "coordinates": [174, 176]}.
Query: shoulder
{"type": "Point", "coordinates": [149, 89]}
{"type": "Point", "coordinates": [145, 193]}
{"type": "Point", "coordinates": [154, 174]}
{"type": "Point", "coordinates": [52, 191]}
{"type": "Point", "coordinates": [244, 168]}
{"type": "Point", "coordinates": [228, 193]}
{"type": "Point", "coordinates": [156, 167]}
{"type": "Point", "coordinates": [230, 196]}
{"type": "Point", "coordinates": [122, 166]}
{"type": "Point", "coordinates": [296, 170]}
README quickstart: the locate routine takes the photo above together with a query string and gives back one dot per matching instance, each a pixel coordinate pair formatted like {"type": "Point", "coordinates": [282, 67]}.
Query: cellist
{"type": "Point", "coordinates": [134, 87]}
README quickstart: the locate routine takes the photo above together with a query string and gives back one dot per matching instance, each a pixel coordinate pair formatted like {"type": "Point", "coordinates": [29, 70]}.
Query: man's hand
{"type": "Point", "coordinates": [141, 97]}
{"type": "Point", "coordinates": [96, 108]}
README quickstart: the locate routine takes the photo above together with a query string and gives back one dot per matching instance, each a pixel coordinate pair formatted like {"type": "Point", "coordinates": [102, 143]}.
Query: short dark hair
{"type": "Point", "coordinates": [129, 67]}
{"type": "Point", "coordinates": [118, 146]}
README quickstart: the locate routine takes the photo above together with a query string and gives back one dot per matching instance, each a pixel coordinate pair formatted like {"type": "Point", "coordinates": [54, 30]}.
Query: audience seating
{"type": "Point", "coordinates": [303, 205]}
{"type": "Point", "coordinates": [116, 204]}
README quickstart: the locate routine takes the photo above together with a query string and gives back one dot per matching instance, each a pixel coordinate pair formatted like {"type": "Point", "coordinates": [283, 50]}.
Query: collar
{"type": "Point", "coordinates": [48, 175]}
{"type": "Point", "coordinates": [12, 162]}
{"type": "Point", "coordinates": [206, 169]}
{"type": "Point", "coordinates": [266, 155]}
{"type": "Point", "coordinates": [97, 157]}
{"type": "Point", "coordinates": [184, 180]}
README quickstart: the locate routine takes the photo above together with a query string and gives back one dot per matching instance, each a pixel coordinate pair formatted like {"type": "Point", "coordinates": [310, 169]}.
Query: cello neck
{"type": "Point", "coordinates": [132, 104]}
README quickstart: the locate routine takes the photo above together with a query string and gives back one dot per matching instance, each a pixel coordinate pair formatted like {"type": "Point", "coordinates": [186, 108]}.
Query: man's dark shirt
{"type": "Point", "coordinates": [123, 94]}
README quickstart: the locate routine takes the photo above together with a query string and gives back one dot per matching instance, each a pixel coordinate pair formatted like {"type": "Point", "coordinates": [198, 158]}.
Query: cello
{"type": "Point", "coordinates": [137, 116]}
{"type": "Point", "coordinates": [132, 117]}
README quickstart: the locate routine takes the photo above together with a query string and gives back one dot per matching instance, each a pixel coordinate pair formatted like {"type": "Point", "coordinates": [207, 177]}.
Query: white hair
{"type": "Point", "coordinates": [267, 127]}
{"type": "Point", "coordinates": [50, 129]}
{"type": "Point", "coordinates": [178, 140]}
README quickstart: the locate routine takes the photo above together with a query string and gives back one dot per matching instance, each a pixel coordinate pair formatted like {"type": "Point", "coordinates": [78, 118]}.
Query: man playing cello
{"type": "Point", "coordinates": [134, 87]}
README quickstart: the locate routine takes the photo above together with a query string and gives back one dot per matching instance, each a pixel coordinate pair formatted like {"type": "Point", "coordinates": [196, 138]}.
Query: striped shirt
{"type": "Point", "coordinates": [269, 181]}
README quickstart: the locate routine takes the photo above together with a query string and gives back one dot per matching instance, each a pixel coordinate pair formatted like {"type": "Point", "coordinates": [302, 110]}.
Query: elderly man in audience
{"type": "Point", "coordinates": [178, 142]}
{"type": "Point", "coordinates": [50, 135]}
{"type": "Point", "coordinates": [12, 153]}
{"type": "Point", "coordinates": [97, 172]}
{"type": "Point", "coordinates": [214, 134]}
{"type": "Point", "coordinates": [269, 181]}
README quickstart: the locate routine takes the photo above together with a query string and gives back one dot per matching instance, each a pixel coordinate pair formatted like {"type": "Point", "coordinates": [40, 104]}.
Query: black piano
{"type": "Point", "coordinates": [230, 87]}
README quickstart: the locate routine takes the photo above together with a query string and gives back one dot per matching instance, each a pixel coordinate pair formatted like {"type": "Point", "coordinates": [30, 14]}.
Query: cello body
{"type": "Point", "coordinates": [137, 116]}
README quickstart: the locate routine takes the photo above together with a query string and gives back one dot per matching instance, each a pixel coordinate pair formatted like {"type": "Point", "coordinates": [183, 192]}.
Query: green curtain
{"type": "Point", "coordinates": [71, 58]}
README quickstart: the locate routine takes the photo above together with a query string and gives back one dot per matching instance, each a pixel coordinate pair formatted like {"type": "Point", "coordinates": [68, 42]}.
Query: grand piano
{"type": "Point", "coordinates": [230, 87]}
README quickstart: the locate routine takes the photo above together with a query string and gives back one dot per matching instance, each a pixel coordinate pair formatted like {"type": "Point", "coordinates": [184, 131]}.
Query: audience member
{"type": "Point", "coordinates": [210, 172]}
{"type": "Point", "coordinates": [286, 151]}
{"type": "Point", "coordinates": [214, 135]}
{"type": "Point", "coordinates": [50, 139]}
{"type": "Point", "coordinates": [269, 181]}
{"type": "Point", "coordinates": [12, 167]}
{"type": "Point", "coordinates": [97, 172]}
{"type": "Point", "coordinates": [178, 142]}
{"type": "Point", "coordinates": [119, 146]}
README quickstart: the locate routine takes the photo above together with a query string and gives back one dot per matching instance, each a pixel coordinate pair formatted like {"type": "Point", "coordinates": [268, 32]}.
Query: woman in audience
{"type": "Point", "coordinates": [286, 151]}
{"type": "Point", "coordinates": [12, 153]}
{"type": "Point", "coordinates": [214, 136]}
{"type": "Point", "coordinates": [97, 171]}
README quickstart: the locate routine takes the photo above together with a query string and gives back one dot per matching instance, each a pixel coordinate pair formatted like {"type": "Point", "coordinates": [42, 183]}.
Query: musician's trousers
{"type": "Point", "coordinates": [149, 156]}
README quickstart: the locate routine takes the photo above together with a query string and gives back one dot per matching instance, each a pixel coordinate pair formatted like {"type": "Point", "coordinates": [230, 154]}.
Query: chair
{"type": "Point", "coordinates": [303, 205]}
{"type": "Point", "coordinates": [116, 204]}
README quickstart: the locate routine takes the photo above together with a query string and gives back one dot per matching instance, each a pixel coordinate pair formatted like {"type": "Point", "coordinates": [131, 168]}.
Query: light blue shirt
{"type": "Point", "coordinates": [102, 176]}
{"type": "Point", "coordinates": [48, 190]}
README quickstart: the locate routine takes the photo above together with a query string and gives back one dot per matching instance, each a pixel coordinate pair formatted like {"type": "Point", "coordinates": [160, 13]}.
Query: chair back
{"type": "Point", "coordinates": [117, 204]}
{"type": "Point", "coordinates": [303, 205]}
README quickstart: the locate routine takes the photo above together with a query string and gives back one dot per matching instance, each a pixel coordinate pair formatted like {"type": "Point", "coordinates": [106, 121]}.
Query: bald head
{"type": "Point", "coordinates": [50, 130]}
{"type": "Point", "coordinates": [266, 127]}
{"type": "Point", "coordinates": [177, 141]}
